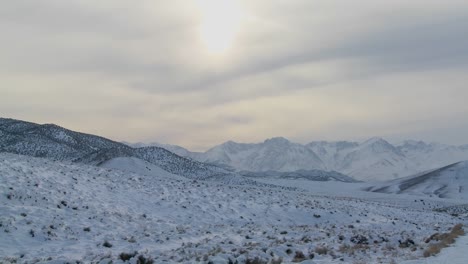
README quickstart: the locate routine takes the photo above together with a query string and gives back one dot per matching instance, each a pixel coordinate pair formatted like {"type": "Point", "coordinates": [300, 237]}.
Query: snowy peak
{"type": "Point", "coordinates": [378, 145]}
{"type": "Point", "coordinates": [275, 154]}
{"type": "Point", "coordinates": [277, 141]}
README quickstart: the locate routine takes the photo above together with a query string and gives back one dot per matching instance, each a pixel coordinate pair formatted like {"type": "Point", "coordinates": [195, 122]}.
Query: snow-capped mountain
{"type": "Point", "coordinates": [433, 155]}
{"type": "Point", "coordinates": [373, 159]}
{"type": "Point", "coordinates": [276, 154]}
{"type": "Point", "coordinates": [448, 182]}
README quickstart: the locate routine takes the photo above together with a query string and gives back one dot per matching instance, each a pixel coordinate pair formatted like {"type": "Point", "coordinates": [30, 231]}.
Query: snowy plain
{"type": "Point", "coordinates": [52, 212]}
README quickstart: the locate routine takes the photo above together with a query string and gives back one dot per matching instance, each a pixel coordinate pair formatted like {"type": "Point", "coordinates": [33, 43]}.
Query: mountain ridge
{"type": "Point", "coordinates": [57, 143]}
{"type": "Point", "coordinates": [372, 159]}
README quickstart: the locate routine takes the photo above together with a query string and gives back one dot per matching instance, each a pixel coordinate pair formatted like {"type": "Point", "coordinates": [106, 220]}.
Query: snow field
{"type": "Point", "coordinates": [60, 212]}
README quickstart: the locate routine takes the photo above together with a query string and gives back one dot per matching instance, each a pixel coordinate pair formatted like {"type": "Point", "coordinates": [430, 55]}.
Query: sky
{"type": "Point", "coordinates": [198, 73]}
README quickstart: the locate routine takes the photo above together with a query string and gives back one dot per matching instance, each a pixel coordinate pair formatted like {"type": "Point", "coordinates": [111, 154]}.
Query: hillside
{"type": "Point", "coordinates": [447, 182]}
{"type": "Point", "coordinates": [56, 212]}
{"type": "Point", "coordinates": [57, 143]}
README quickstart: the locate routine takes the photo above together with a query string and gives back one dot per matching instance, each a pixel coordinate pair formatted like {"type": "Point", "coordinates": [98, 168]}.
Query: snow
{"type": "Point", "coordinates": [138, 166]}
{"type": "Point", "coordinates": [448, 182]}
{"type": "Point", "coordinates": [371, 160]}
{"type": "Point", "coordinates": [53, 212]}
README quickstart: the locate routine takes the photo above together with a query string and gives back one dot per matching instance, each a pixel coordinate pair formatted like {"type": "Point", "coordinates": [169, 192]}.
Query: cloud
{"type": "Point", "coordinates": [302, 69]}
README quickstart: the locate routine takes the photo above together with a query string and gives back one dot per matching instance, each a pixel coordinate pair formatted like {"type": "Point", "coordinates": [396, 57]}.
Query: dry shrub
{"type": "Point", "coordinates": [445, 240]}
{"type": "Point", "coordinates": [321, 250]}
{"type": "Point", "coordinates": [277, 261]}
{"type": "Point", "coordinates": [351, 250]}
{"type": "Point", "coordinates": [299, 257]}
{"type": "Point", "coordinates": [256, 260]}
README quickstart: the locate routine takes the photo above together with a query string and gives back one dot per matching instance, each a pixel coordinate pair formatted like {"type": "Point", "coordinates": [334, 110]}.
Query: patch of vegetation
{"type": "Point", "coordinates": [256, 260]}
{"type": "Point", "coordinates": [127, 256]}
{"type": "Point", "coordinates": [107, 244]}
{"type": "Point", "coordinates": [299, 257]}
{"type": "Point", "coordinates": [144, 260]}
{"type": "Point", "coordinates": [445, 240]}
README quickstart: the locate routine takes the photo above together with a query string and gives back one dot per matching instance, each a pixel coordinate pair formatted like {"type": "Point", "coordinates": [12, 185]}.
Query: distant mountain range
{"type": "Point", "coordinates": [374, 159]}
{"type": "Point", "coordinates": [448, 182]}
{"type": "Point", "coordinates": [57, 143]}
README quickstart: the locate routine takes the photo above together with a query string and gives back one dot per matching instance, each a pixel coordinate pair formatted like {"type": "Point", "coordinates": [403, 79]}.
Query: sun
{"type": "Point", "coordinates": [221, 21]}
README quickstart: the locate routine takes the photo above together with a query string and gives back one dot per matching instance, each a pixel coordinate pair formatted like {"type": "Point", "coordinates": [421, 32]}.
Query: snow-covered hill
{"type": "Point", "coordinates": [447, 182]}
{"type": "Point", "coordinates": [63, 212]}
{"type": "Point", "coordinates": [49, 141]}
{"type": "Point", "coordinates": [311, 175]}
{"type": "Point", "coordinates": [57, 143]}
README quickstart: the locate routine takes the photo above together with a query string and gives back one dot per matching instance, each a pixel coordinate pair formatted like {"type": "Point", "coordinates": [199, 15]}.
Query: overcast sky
{"type": "Point", "coordinates": [198, 73]}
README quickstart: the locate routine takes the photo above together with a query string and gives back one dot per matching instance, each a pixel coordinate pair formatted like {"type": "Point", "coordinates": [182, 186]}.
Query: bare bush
{"type": "Point", "coordinates": [445, 240]}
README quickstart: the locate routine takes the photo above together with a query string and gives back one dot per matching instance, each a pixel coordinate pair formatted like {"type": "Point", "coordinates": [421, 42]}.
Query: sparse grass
{"type": "Point", "coordinates": [351, 250]}
{"type": "Point", "coordinates": [445, 240]}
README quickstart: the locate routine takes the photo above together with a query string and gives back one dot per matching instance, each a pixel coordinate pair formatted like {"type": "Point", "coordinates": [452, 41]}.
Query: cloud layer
{"type": "Point", "coordinates": [306, 70]}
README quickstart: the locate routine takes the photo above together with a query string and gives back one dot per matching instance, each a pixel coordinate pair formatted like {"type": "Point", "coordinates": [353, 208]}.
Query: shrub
{"type": "Point", "coordinates": [107, 244]}
{"type": "Point", "coordinates": [143, 260]}
{"type": "Point", "coordinates": [359, 239]}
{"type": "Point", "coordinates": [277, 261]}
{"type": "Point", "coordinates": [127, 256]}
{"type": "Point", "coordinates": [445, 240]}
{"type": "Point", "coordinates": [321, 250]}
{"type": "Point", "coordinates": [256, 260]}
{"type": "Point", "coordinates": [299, 257]}
{"type": "Point", "coordinates": [406, 244]}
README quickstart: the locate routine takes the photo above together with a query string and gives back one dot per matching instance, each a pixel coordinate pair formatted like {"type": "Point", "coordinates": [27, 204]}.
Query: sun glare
{"type": "Point", "coordinates": [221, 20]}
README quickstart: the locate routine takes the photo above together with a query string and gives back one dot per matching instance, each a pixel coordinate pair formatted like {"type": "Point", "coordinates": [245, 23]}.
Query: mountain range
{"type": "Point", "coordinates": [57, 143]}
{"type": "Point", "coordinates": [373, 159]}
